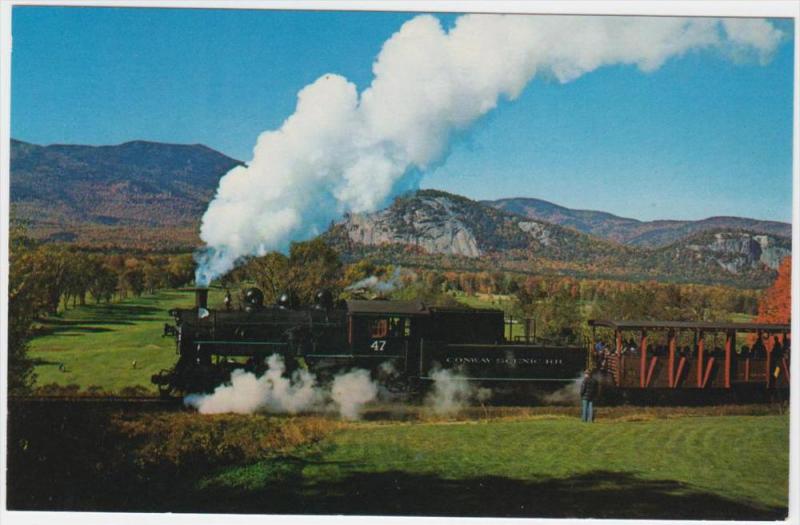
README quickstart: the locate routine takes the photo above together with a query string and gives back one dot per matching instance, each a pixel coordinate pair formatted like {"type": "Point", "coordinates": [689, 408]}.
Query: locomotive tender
{"type": "Point", "coordinates": [409, 338]}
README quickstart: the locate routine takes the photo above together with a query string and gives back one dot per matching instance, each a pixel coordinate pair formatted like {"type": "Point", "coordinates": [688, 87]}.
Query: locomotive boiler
{"type": "Point", "coordinates": [409, 338]}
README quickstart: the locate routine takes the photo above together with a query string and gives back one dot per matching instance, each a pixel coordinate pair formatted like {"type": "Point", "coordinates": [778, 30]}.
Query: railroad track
{"type": "Point", "coordinates": [120, 401]}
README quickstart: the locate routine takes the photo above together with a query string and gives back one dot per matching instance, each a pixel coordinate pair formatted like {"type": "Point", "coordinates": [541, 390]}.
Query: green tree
{"type": "Point", "coordinates": [181, 270]}
{"type": "Point", "coordinates": [24, 301]}
{"type": "Point", "coordinates": [557, 315]}
{"type": "Point", "coordinates": [636, 302]}
{"type": "Point", "coordinates": [133, 279]}
{"type": "Point", "coordinates": [270, 273]}
{"type": "Point", "coordinates": [309, 267]}
{"type": "Point", "coordinates": [313, 265]}
{"type": "Point", "coordinates": [155, 276]}
{"type": "Point", "coordinates": [80, 268]}
{"type": "Point", "coordinates": [104, 283]}
{"type": "Point", "coordinates": [53, 270]}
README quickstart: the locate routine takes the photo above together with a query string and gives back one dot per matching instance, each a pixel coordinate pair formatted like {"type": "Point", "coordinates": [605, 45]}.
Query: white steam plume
{"type": "Point", "coordinates": [376, 284]}
{"type": "Point", "coordinates": [342, 151]}
{"type": "Point", "coordinates": [272, 392]}
{"type": "Point", "coordinates": [277, 393]}
{"type": "Point", "coordinates": [351, 391]}
{"type": "Point", "coordinates": [451, 392]}
{"type": "Point", "coordinates": [569, 394]}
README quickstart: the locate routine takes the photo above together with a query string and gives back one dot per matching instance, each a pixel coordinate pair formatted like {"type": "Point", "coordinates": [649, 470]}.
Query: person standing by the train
{"type": "Point", "coordinates": [777, 356]}
{"type": "Point", "coordinates": [589, 389]}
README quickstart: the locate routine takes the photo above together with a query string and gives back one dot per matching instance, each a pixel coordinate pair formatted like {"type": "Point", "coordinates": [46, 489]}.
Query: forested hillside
{"type": "Point", "coordinates": [137, 194]}
{"type": "Point", "coordinates": [631, 231]}
{"type": "Point", "coordinates": [440, 230]}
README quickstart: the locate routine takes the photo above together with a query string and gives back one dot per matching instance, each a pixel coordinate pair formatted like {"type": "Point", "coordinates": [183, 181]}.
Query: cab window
{"type": "Point", "coordinates": [379, 328]}
{"type": "Point", "coordinates": [399, 327]}
{"type": "Point", "coordinates": [390, 327]}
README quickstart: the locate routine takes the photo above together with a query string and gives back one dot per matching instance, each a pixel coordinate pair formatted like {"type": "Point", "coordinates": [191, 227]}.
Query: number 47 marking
{"type": "Point", "coordinates": [378, 345]}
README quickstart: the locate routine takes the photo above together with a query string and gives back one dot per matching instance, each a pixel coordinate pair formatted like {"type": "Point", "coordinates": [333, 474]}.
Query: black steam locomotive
{"type": "Point", "coordinates": [408, 338]}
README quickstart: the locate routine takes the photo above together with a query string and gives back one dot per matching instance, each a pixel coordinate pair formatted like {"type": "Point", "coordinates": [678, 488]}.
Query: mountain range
{"type": "Point", "coordinates": [631, 231]}
{"type": "Point", "coordinates": [136, 194]}
{"type": "Point", "coordinates": [150, 195]}
{"type": "Point", "coordinates": [437, 229]}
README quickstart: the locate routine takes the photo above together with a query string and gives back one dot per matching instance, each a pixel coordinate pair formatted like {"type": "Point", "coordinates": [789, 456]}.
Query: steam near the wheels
{"type": "Point", "coordinates": [278, 392]}
{"type": "Point", "coordinates": [452, 391]}
{"type": "Point", "coordinates": [344, 151]}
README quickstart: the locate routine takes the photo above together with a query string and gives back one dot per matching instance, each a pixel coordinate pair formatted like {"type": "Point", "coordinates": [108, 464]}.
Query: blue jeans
{"type": "Point", "coordinates": [587, 412]}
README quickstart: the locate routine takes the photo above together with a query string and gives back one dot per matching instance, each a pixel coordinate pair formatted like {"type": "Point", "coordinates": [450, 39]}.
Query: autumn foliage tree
{"type": "Point", "coordinates": [310, 266]}
{"type": "Point", "coordinates": [776, 304]}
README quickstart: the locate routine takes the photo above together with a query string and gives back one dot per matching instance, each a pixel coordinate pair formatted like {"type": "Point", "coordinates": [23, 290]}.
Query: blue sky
{"type": "Point", "coordinates": [700, 136]}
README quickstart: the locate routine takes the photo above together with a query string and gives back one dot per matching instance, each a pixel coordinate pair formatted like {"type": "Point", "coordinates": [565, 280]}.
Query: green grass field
{"type": "Point", "coordinates": [687, 467]}
{"type": "Point", "coordinates": [97, 344]}
{"type": "Point", "coordinates": [651, 463]}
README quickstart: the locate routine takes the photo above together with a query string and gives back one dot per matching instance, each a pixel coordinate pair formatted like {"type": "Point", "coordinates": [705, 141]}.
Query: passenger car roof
{"type": "Point", "coordinates": [690, 325]}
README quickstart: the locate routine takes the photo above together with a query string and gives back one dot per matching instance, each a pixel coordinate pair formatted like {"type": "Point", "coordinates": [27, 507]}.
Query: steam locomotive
{"type": "Point", "coordinates": [404, 340]}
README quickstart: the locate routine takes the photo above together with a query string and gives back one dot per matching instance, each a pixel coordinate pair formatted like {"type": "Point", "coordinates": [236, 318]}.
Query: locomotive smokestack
{"type": "Point", "coordinates": [201, 297]}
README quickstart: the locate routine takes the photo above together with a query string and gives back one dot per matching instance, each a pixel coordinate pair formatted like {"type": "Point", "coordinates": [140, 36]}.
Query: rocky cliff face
{"type": "Point", "coordinates": [538, 231]}
{"type": "Point", "coordinates": [433, 225]}
{"type": "Point", "coordinates": [739, 251]}
{"type": "Point", "coordinates": [437, 222]}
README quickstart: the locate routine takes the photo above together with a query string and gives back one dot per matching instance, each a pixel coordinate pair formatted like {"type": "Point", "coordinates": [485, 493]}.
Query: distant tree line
{"type": "Point", "coordinates": [561, 305]}
{"type": "Point", "coordinates": [47, 278]}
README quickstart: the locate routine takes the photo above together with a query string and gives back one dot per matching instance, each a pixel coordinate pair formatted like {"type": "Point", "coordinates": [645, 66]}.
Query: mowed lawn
{"type": "Point", "coordinates": [98, 344]}
{"type": "Point", "coordinates": [687, 467]}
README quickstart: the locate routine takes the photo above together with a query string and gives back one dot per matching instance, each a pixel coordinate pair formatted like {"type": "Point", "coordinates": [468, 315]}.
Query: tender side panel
{"type": "Point", "coordinates": [493, 362]}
